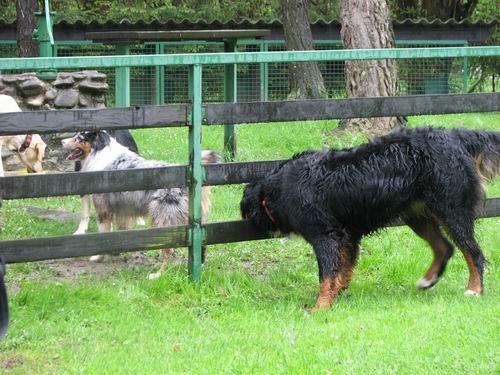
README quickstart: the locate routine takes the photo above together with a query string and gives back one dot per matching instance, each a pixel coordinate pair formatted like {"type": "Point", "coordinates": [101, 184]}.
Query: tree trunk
{"type": "Point", "coordinates": [306, 81]}
{"type": "Point", "coordinates": [367, 24]}
{"type": "Point", "coordinates": [26, 23]}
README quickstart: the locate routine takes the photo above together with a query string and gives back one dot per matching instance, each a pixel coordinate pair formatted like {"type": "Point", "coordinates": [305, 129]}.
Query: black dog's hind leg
{"type": "Point", "coordinates": [458, 220]}
{"type": "Point", "coordinates": [427, 229]}
{"type": "Point", "coordinates": [461, 230]}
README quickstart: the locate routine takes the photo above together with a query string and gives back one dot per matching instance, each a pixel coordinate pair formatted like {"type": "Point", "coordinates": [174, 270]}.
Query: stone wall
{"type": "Point", "coordinates": [83, 89]}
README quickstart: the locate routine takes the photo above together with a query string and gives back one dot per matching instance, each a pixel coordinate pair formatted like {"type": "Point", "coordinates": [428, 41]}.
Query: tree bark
{"type": "Point", "coordinates": [26, 23]}
{"type": "Point", "coordinates": [367, 24]}
{"type": "Point", "coordinates": [306, 81]}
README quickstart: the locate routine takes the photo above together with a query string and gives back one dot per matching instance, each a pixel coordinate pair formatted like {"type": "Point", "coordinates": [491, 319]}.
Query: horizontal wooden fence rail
{"type": "Point", "coordinates": [61, 184]}
{"type": "Point", "coordinates": [238, 173]}
{"type": "Point", "coordinates": [35, 249]}
{"type": "Point", "coordinates": [302, 110]}
{"type": "Point", "coordinates": [237, 113]}
{"type": "Point", "coordinates": [151, 116]}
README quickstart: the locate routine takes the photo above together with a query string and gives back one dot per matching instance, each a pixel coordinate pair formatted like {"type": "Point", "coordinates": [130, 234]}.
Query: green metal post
{"type": "Point", "coordinates": [122, 77]}
{"type": "Point", "coordinates": [44, 35]}
{"type": "Point", "coordinates": [196, 231]}
{"type": "Point", "coordinates": [264, 75]}
{"type": "Point", "coordinates": [230, 95]}
{"type": "Point", "coordinates": [466, 72]}
{"type": "Point", "coordinates": [160, 76]}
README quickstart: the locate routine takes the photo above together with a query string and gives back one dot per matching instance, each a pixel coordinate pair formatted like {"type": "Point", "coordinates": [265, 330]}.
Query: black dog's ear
{"type": "Point", "coordinates": [249, 204]}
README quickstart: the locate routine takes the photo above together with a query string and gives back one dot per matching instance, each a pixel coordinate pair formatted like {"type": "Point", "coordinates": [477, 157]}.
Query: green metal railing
{"type": "Point", "coordinates": [255, 82]}
{"type": "Point", "coordinates": [244, 57]}
{"type": "Point", "coordinates": [195, 62]}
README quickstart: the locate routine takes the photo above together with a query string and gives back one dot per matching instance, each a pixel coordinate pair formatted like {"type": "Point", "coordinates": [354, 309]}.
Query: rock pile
{"type": "Point", "coordinates": [70, 90]}
{"type": "Point", "coordinates": [85, 89]}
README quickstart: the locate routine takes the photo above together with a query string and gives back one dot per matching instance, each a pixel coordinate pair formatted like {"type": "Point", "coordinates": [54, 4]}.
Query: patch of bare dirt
{"type": "Point", "coordinates": [68, 270]}
{"type": "Point", "coordinates": [11, 362]}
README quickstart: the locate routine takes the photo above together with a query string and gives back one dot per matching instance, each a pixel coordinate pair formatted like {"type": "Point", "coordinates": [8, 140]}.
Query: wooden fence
{"type": "Point", "coordinates": [60, 184]}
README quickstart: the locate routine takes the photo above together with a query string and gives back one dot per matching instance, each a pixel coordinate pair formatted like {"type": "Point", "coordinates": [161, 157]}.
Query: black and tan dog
{"type": "Point", "coordinates": [430, 178]}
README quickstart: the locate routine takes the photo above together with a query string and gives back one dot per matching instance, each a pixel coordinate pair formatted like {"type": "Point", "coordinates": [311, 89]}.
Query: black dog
{"type": "Point", "coordinates": [428, 177]}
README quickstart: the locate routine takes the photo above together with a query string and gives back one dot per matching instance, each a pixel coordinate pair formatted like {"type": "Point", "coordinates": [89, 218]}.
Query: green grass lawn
{"type": "Point", "coordinates": [249, 312]}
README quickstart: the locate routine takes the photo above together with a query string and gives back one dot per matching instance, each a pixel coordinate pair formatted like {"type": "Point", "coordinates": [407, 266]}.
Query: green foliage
{"type": "Point", "coordinates": [487, 10]}
{"type": "Point", "coordinates": [193, 10]}
{"type": "Point", "coordinates": [209, 10]}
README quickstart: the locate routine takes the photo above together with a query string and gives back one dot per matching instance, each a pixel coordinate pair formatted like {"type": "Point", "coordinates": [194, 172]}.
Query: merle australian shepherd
{"type": "Point", "coordinates": [97, 151]}
{"type": "Point", "coordinates": [431, 178]}
{"type": "Point", "coordinates": [123, 137]}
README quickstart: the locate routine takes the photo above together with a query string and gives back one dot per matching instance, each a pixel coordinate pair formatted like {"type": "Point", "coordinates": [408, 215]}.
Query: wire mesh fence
{"type": "Point", "coordinates": [262, 81]}
{"type": "Point", "coordinates": [84, 49]}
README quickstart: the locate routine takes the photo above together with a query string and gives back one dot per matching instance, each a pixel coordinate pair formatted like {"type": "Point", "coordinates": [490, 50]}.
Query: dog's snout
{"type": "Point", "coordinates": [66, 142]}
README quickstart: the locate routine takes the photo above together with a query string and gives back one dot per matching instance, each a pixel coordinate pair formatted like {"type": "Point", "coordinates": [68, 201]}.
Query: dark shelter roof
{"type": "Point", "coordinates": [407, 29]}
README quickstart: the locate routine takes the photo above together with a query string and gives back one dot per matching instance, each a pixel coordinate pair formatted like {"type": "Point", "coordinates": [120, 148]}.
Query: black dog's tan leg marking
{"type": "Point", "coordinates": [348, 258]}
{"type": "Point", "coordinates": [428, 230]}
{"type": "Point", "coordinates": [475, 284]}
{"type": "Point", "coordinates": [327, 288]}
{"type": "Point", "coordinates": [459, 223]}
{"type": "Point", "coordinates": [330, 287]}
{"type": "Point", "coordinates": [463, 235]}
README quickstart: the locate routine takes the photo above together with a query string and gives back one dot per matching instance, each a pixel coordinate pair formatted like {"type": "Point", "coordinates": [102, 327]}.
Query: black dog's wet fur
{"type": "Point", "coordinates": [427, 176]}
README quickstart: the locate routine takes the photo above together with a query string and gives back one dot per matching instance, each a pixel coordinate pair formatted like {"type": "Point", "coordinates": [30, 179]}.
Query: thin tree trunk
{"type": "Point", "coordinates": [367, 24]}
{"type": "Point", "coordinates": [26, 23]}
{"type": "Point", "coordinates": [306, 81]}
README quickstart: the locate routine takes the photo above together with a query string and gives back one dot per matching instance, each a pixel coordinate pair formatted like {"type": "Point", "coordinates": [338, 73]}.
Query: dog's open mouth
{"type": "Point", "coordinates": [75, 154]}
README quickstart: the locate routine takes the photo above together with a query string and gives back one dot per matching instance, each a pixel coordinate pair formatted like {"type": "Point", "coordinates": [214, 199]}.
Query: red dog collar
{"type": "Point", "coordinates": [266, 210]}
{"type": "Point", "coordinates": [26, 143]}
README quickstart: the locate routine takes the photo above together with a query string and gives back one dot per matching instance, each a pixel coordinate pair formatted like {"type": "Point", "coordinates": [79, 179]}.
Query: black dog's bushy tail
{"type": "Point", "coordinates": [484, 146]}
